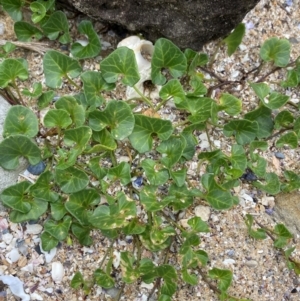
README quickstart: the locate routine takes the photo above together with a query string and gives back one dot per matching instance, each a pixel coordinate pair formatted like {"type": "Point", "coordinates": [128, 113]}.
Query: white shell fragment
{"type": "Point", "coordinates": [16, 286]}
{"type": "Point", "coordinates": [203, 212]}
{"type": "Point", "coordinates": [33, 229]}
{"type": "Point", "coordinates": [48, 255]}
{"type": "Point", "coordinates": [116, 259]}
{"type": "Point", "coordinates": [58, 271]}
{"type": "Point", "coordinates": [13, 255]}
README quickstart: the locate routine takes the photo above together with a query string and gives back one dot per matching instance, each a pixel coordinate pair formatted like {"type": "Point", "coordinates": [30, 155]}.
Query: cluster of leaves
{"type": "Point", "coordinates": [89, 130]}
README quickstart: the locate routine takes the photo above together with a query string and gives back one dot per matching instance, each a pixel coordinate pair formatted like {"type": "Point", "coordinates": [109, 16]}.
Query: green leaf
{"type": "Point", "coordinates": [57, 118]}
{"type": "Point", "coordinates": [94, 165]}
{"type": "Point", "coordinates": [235, 38]}
{"type": "Point", "coordinates": [261, 90]}
{"type": "Point", "coordinates": [256, 234]}
{"type": "Point", "coordinates": [179, 197]}
{"type": "Point", "coordinates": [166, 55]}
{"type": "Point", "coordinates": [198, 225]}
{"type": "Point", "coordinates": [277, 50]}
{"type": "Point", "coordinates": [16, 146]}
{"type": "Point", "coordinates": [20, 120]}
{"type": "Point", "coordinates": [45, 99]}
{"type": "Point", "coordinates": [120, 62]}
{"type": "Point", "coordinates": [134, 227]}
{"type": "Point", "coordinates": [289, 138]}
{"type": "Point", "coordinates": [168, 273]}
{"type": "Point", "coordinates": [76, 111]}
{"type": "Point", "coordinates": [41, 189]}
{"type": "Point", "coordinates": [38, 208]}
{"type": "Point", "coordinates": [292, 79]}
{"type": "Point", "coordinates": [79, 204]}
{"type": "Point", "coordinates": [48, 241]}
{"type": "Point", "coordinates": [254, 145]}
{"type": "Point", "coordinates": [244, 130]}
{"type": "Point", "coordinates": [281, 230]}
{"type": "Point", "coordinates": [293, 181]}
{"type": "Point", "coordinates": [13, 8]}
{"type": "Point", "coordinates": [171, 150]}
{"type": "Point", "coordinates": [78, 138]}
{"type": "Point", "coordinates": [58, 210]}
{"type": "Point", "coordinates": [199, 88]}
{"type": "Point", "coordinates": [82, 234]}
{"type": "Point", "coordinates": [129, 273]}
{"type": "Point", "coordinates": [155, 174]}
{"type": "Point", "coordinates": [16, 197]}
{"type": "Point", "coordinates": [238, 158]}
{"type": "Point", "coordinates": [77, 280]}
{"type": "Point", "coordinates": [26, 32]}
{"type": "Point", "coordinates": [103, 280]}
{"type": "Point", "coordinates": [151, 201]}
{"type": "Point", "coordinates": [231, 104]}
{"type": "Point", "coordinates": [106, 140]}
{"type": "Point", "coordinates": [117, 116]}
{"type": "Point", "coordinates": [71, 179]}
{"type": "Point", "coordinates": [57, 65]}
{"type": "Point", "coordinates": [198, 60]}
{"type": "Point", "coordinates": [263, 117]}
{"type": "Point", "coordinates": [59, 230]}
{"type": "Point", "coordinates": [191, 279]}
{"type": "Point", "coordinates": [37, 90]}
{"type": "Point", "coordinates": [39, 11]}
{"type": "Point", "coordinates": [93, 85]}
{"type": "Point", "coordinates": [272, 185]}
{"type": "Point", "coordinates": [92, 48]}
{"type": "Point", "coordinates": [57, 26]}
{"type": "Point", "coordinates": [259, 166]}
{"type": "Point", "coordinates": [275, 100]}
{"type": "Point", "coordinates": [178, 176]}
{"type": "Point", "coordinates": [120, 172]}
{"type": "Point", "coordinates": [224, 278]}
{"type": "Point", "coordinates": [283, 119]}
{"type": "Point", "coordinates": [172, 90]}
{"type": "Point", "coordinates": [191, 143]}
{"type": "Point", "coordinates": [10, 70]}
{"type": "Point", "coordinates": [114, 216]}
{"type": "Point", "coordinates": [141, 136]}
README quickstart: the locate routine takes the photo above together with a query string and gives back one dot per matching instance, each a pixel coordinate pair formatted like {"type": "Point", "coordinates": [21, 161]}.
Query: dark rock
{"type": "Point", "coordinates": [37, 169]}
{"type": "Point", "coordinates": [189, 23]}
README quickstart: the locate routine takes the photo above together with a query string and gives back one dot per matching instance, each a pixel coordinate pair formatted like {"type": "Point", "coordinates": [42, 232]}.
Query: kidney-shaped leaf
{"type": "Point", "coordinates": [289, 138]}
{"type": "Point", "coordinates": [260, 89]}
{"type": "Point", "coordinates": [71, 179]}
{"type": "Point", "coordinates": [16, 197]}
{"type": "Point", "coordinates": [57, 65]}
{"type": "Point", "coordinates": [120, 62]}
{"type": "Point", "coordinates": [57, 25]}
{"type": "Point", "coordinates": [172, 89]}
{"type": "Point", "coordinates": [155, 174]}
{"type": "Point", "coordinates": [277, 50]}
{"type": "Point", "coordinates": [60, 229]}
{"type": "Point", "coordinates": [10, 70]}
{"type": "Point", "coordinates": [79, 136]}
{"type": "Point", "coordinates": [244, 130]}
{"type": "Point", "coordinates": [117, 115]}
{"type": "Point", "coordinates": [57, 118]}
{"type": "Point", "coordinates": [235, 38]}
{"type": "Point", "coordinates": [81, 202]}
{"type": "Point", "coordinates": [14, 147]}
{"type": "Point", "coordinates": [231, 104]}
{"type": "Point", "coordinates": [275, 100]}
{"type": "Point", "coordinates": [25, 32]}
{"type": "Point", "coordinates": [166, 55]}
{"type": "Point", "coordinates": [76, 111]}
{"type": "Point", "coordinates": [93, 84]}
{"type": "Point", "coordinates": [144, 128]}
{"type": "Point", "coordinates": [13, 8]}
{"type": "Point", "coordinates": [39, 11]}
{"type": "Point", "coordinates": [20, 120]}
{"type": "Point", "coordinates": [120, 172]}
{"type": "Point", "coordinates": [224, 278]}
{"type": "Point", "coordinates": [92, 48]}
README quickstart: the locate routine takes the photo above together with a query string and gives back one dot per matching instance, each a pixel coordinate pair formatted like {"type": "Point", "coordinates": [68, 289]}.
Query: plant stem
{"type": "Point", "coordinates": [213, 57]}
{"type": "Point", "coordinates": [106, 253]}
{"type": "Point", "coordinates": [70, 80]}
{"type": "Point", "coordinates": [143, 97]}
{"type": "Point", "coordinates": [162, 103]}
{"type": "Point", "coordinates": [14, 84]}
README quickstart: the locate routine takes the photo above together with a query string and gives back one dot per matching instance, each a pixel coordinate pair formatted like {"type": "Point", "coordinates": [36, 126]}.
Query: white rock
{"type": "Point", "coordinates": [33, 229]}
{"type": "Point", "coordinates": [148, 286]}
{"type": "Point", "coordinates": [16, 286]}
{"type": "Point", "coordinates": [116, 259]}
{"type": "Point", "coordinates": [57, 272]}
{"type": "Point", "coordinates": [268, 201]}
{"type": "Point", "coordinates": [203, 212]}
{"type": "Point", "coordinates": [7, 238]}
{"type": "Point", "coordinates": [36, 296]}
{"type": "Point", "coordinates": [229, 261]}
{"type": "Point", "coordinates": [251, 263]}
{"type": "Point", "coordinates": [3, 224]}
{"type": "Point", "coordinates": [13, 255]}
{"type": "Point", "coordinates": [183, 222]}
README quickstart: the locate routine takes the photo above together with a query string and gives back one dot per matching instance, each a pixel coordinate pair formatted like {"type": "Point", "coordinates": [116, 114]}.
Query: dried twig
{"type": "Point", "coordinates": [34, 46]}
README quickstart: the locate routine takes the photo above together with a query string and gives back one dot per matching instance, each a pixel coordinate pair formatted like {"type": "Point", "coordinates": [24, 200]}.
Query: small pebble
{"type": "Point", "coordinates": [137, 183]}
{"type": "Point", "coordinates": [251, 263]}
{"type": "Point", "coordinates": [58, 271]}
{"type": "Point", "coordinates": [37, 169]}
{"type": "Point", "coordinates": [203, 212]}
{"type": "Point", "coordinates": [33, 229]}
{"type": "Point", "coordinates": [279, 155]}
{"type": "Point", "coordinates": [230, 253]}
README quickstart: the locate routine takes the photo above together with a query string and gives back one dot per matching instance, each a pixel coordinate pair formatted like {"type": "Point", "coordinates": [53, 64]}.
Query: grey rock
{"type": "Point", "coordinates": [8, 177]}
{"type": "Point", "coordinates": [287, 210]}
{"type": "Point", "coordinates": [190, 23]}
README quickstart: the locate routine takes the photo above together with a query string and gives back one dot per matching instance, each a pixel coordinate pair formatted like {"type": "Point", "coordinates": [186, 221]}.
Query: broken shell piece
{"type": "Point", "coordinates": [16, 286]}
{"type": "Point", "coordinates": [48, 255]}
{"type": "Point", "coordinates": [143, 51]}
{"type": "Point", "coordinates": [33, 229]}
{"type": "Point", "coordinates": [57, 272]}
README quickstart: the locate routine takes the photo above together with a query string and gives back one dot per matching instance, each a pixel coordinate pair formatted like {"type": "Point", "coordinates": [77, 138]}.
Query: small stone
{"type": "Point", "coordinates": [251, 263]}
{"type": "Point", "coordinates": [13, 255]}
{"type": "Point", "coordinates": [22, 262]}
{"type": "Point", "coordinates": [230, 253]}
{"type": "Point", "coordinates": [37, 169]}
{"type": "Point", "coordinates": [33, 229]}
{"type": "Point", "coordinates": [7, 238]}
{"type": "Point", "coordinates": [57, 272]}
{"type": "Point", "coordinates": [184, 222]}
{"type": "Point", "coordinates": [203, 212]}
{"type": "Point", "coordinates": [279, 155]}
{"type": "Point", "coordinates": [228, 261]}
